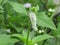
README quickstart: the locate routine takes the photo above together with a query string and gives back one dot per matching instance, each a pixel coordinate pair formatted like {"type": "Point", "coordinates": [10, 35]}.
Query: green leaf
{"type": "Point", "coordinates": [44, 21]}
{"type": "Point", "coordinates": [51, 4]}
{"type": "Point", "coordinates": [58, 18]}
{"type": "Point", "coordinates": [19, 29]}
{"type": "Point", "coordinates": [37, 8]}
{"type": "Point", "coordinates": [58, 26]}
{"type": "Point", "coordinates": [16, 28]}
{"type": "Point", "coordinates": [4, 2]}
{"type": "Point", "coordinates": [20, 37]}
{"type": "Point", "coordinates": [0, 1]}
{"type": "Point", "coordinates": [41, 38]}
{"type": "Point", "coordinates": [32, 34]}
{"type": "Point", "coordinates": [18, 7]}
{"type": "Point", "coordinates": [6, 39]}
{"type": "Point", "coordinates": [3, 31]}
{"type": "Point", "coordinates": [24, 33]}
{"type": "Point", "coordinates": [9, 10]}
{"type": "Point", "coordinates": [57, 32]}
{"type": "Point", "coordinates": [52, 42]}
{"type": "Point", "coordinates": [1, 20]}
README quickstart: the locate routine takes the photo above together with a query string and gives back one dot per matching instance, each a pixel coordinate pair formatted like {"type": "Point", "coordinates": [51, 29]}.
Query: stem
{"type": "Point", "coordinates": [5, 14]}
{"type": "Point", "coordinates": [28, 34]}
{"type": "Point", "coordinates": [27, 37]}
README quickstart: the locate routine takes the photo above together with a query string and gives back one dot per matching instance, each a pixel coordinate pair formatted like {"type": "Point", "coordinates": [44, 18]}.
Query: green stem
{"type": "Point", "coordinates": [27, 37]}
{"type": "Point", "coordinates": [28, 34]}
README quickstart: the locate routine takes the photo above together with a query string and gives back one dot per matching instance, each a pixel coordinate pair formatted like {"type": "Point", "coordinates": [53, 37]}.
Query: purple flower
{"type": "Point", "coordinates": [27, 5]}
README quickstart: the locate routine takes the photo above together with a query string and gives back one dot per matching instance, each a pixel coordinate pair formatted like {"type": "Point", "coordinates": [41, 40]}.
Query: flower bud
{"type": "Point", "coordinates": [35, 44]}
{"type": "Point", "coordinates": [8, 30]}
{"type": "Point", "coordinates": [51, 10]}
{"type": "Point", "coordinates": [41, 31]}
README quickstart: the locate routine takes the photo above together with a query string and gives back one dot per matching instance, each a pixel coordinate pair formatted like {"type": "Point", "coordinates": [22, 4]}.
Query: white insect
{"type": "Point", "coordinates": [33, 19]}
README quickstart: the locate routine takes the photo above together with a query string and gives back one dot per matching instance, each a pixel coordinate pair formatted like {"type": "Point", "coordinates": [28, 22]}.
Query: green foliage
{"type": "Point", "coordinates": [45, 21]}
{"type": "Point", "coordinates": [18, 7]}
{"type": "Point", "coordinates": [6, 40]}
{"type": "Point", "coordinates": [16, 27]}
{"type": "Point", "coordinates": [41, 38]}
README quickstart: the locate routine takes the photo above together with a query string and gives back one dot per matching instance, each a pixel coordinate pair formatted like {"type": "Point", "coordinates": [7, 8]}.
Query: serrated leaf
{"type": "Point", "coordinates": [57, 32]}
{"type": "Point", "coordinates": [52, 42]}
{"type": "Point", "coordinates": [18, 7]}
{"type": "Point", "coordinates": [41, 38]}
{"type": "Point", "coordinates": [44, 21]}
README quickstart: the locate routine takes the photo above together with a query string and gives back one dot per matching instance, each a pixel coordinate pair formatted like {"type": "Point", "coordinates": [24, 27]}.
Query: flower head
{"type": "Point", "coordinates": [27, 5]}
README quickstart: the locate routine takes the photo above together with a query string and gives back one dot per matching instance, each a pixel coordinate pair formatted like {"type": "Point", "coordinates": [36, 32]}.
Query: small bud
{"type": "Point", "coordinates": [35, 44]}
{"type": "Point", "coordinates": [41, 31]}
{"type": "Point", "coordinates": [51, 10]}
{"type": "Point", "coordinates": [8, 30]}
